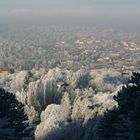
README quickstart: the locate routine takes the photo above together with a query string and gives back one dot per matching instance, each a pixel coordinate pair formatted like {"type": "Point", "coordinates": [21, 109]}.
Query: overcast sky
{"type": "Point", "coordinates": [128, 9]}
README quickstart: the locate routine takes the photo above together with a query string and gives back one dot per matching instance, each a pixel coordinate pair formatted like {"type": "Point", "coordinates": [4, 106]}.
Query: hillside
{"type": "Point", "coordinates": [63, 104]}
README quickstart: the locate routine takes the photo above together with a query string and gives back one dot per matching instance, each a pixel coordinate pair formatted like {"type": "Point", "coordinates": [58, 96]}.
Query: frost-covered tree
{"type": "Point", "coordinates": [78, 79]}
{"type": "Point", "coordinates": [41, 93]}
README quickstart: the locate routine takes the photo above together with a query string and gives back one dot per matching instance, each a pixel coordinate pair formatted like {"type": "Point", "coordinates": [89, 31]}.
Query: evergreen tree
{"type": "Point", "coordinates": [13, 120]}
{"type": "Point", "coordinates": [123, 123]}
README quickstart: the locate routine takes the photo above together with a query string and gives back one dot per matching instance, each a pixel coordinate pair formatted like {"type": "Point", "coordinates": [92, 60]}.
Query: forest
{"type": "Point", "coordinates": [63, 104]}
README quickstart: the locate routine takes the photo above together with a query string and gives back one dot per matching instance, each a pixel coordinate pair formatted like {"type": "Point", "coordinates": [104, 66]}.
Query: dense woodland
{"type": "Point", "coordinates": [60, 104]}
{"type": "Point", "coordinates": [69, 83]}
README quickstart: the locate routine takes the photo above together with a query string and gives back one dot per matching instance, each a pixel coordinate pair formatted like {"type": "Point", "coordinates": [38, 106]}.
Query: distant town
{"type": "Point", "coordinates": [69, 48]}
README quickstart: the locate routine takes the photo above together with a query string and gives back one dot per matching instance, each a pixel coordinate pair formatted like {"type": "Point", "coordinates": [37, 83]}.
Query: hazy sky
{"type": "Point", "coordinates": [128, 9]}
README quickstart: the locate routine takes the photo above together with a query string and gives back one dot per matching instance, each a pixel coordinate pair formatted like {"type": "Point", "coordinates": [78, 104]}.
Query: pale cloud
{"type": "Point", "coordinates": [81, 11]}
{"type": "Point", "coordinates": [19, 12]}
{"type": "Point", "coordinates": [70, 8]}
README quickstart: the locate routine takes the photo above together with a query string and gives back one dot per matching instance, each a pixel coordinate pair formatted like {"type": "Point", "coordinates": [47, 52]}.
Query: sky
{"type": "Point", "coordinates": [83, 9]}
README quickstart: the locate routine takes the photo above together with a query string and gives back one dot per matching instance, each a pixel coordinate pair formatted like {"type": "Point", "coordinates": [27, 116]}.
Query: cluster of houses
{"type": "Point", "coordinates": [130, 46]}
{"type": "Point", "coordinates": [6, 70]}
